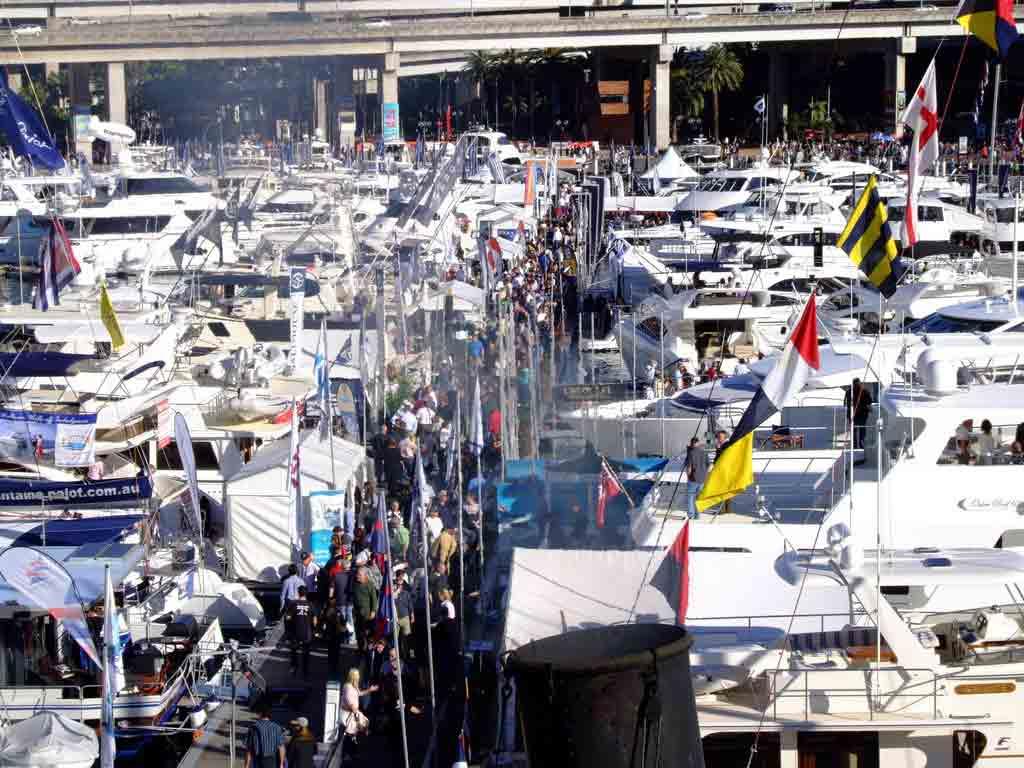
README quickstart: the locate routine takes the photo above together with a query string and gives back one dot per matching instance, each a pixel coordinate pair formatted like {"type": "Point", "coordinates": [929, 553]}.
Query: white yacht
{"type": "Point", "coordinates": [726, 188]}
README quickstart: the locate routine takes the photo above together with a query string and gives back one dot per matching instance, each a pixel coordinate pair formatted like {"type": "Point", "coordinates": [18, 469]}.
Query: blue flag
{"type": "Point", "coordinates": [25, 130]}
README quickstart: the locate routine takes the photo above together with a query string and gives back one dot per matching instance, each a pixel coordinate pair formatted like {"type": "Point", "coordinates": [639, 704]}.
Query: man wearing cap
{"type": "Point", "coordinates": [398, 537]}
{"type": "Point", "coordinates": [364, 605]}
{"type": "Point", "coordinates": [264, 744]}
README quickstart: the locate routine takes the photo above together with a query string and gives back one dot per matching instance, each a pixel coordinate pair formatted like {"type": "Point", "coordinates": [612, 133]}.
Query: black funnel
{"type": "Point", "coordinates": [611, 697]}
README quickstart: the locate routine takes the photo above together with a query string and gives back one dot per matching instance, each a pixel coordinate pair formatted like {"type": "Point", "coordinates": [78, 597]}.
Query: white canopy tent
{"type": "Point", "coordinates": [466, 297]}
{"type": "Point", "coordinates": [670, 167]}
{"type": "Point", "coordinates": [257, 501]}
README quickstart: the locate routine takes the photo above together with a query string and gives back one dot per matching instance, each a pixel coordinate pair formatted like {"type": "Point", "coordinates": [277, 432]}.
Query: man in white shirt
{"type": "Point", "coordinates": [308, 572]}
{"type": "Point", "coordinates": [425, 418]}
{"type": "Point", "coordinates": [434, 524]}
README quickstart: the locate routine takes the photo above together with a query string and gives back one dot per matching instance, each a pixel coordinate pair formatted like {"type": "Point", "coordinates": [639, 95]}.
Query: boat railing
{"type": "Point", "coordinates": [916, 694]}
{"type": "Point", "coordinates": [49, 696]}
{"type": "Point", "coordinates": [823, 620]}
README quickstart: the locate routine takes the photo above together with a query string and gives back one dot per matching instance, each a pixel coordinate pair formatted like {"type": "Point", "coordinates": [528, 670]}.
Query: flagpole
{"type": "Point", "coordinates": [995, 117]}
{"type": "Point", "coordinates": [381, 505]}
{"type": "Point", "coordinates": [462, 540]}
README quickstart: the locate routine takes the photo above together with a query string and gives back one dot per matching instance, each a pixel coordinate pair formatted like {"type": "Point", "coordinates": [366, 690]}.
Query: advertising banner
{"type": "Point", "coordinates": [66, 439]}
{"type": "Point", "coordinates": [390, 122]}
{"type": "Point", "coordinates": [326, 509]}
{"type": "Point", "coordinates": [111, 493]}
{"type": "Point", "coordinates": [296, 293]}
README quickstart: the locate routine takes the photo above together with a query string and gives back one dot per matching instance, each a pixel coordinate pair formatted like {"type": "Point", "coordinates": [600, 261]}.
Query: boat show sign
{"type": "Point", "coordinates": [296, 294]}
{"type": "Point", "coordinates": [326, 510]}
{"type": "Point", "coordinates": [66, 439]}
{"type": "Point", "coordinates": [33, 494]}
{"type": "Point", "coordinates": [390, 122]}
{"type": "Point", "coordinates": [602, 393]}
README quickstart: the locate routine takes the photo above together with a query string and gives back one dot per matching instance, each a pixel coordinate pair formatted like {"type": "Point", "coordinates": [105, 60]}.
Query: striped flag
{"type": "Point", "coordinates": [868, 241]}
{"type": "Point", "coordinates": [733, 470]}
{"type": "Point", "coordinates": [57, 266]}
{"type": "Point", "coordinates": [321, 372]}
{"type": "Point", "coordinates": [991, 21]}
{"type": "Point", "coordinates": [497, 170]}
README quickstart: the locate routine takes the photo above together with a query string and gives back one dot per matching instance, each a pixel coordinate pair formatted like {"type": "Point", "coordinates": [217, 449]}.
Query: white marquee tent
{"type": "Point", "coordinates": [257, 501]}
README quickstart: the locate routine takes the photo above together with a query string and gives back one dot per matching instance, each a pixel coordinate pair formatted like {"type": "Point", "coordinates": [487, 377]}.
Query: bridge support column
{"type": "Point", "coordinates": [389, 78]}
{"type": "Point", "coordinates": [660, 118]}
{"type": "Point", "coordinates": [80, 97]}
{"type": "Point", "coordinates": [777, 109]}
{"type": "Point", "coordinates": [321, 129]}
{"type": "Point", "coordinates": [896, 78]}
{"type": "Point", "coordinates": [117, 94]}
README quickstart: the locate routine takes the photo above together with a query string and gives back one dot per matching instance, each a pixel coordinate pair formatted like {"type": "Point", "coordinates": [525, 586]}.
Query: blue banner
{"type": "Point", "coordinates": [34, 493]}
{"type": "Point", "coordinates": [25, 130]}
{"type": "Point", "coordinates": [326, 510]}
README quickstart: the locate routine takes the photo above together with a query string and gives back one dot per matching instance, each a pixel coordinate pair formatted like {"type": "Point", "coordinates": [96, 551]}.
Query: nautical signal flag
{"type": "Point", "coordinates": [672, 578]}
{"type": "Point", "coordinates": [109, 317]}
{"type": "Point", "coordinates": [530, 193]}
{"type": "Point", "coordinates": [733, 471]}
{"type": "Point", "coordinates": [991, 21]}
{"type": "Point", "coordinates": [608, 487]}
{"type": "Point", "coordinates": [868, 241]}
{"type": "Point", "coordinates": [922, 116]}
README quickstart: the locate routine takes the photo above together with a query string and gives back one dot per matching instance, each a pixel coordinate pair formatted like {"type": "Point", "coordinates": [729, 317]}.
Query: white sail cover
{"type": "Point", "coordinates": [670, 167]}
{"type": "Point", "coordinates": [48, 739]}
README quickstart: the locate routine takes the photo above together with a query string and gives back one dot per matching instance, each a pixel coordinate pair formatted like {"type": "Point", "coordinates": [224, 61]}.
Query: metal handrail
{"type": "Point", "coordinates": [873, 699]}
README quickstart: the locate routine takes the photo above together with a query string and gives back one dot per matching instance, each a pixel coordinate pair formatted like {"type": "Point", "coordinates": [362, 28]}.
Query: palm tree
{"type": "Point", "coordinates": [480, 67]}
{"type": "Point", "coordinates": [687, 96]}
{"type": "Point", "coordinates": [720, 70]}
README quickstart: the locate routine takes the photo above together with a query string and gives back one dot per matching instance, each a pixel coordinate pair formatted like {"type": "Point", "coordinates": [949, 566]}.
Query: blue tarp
{"type": "Point", "coordinates": [72, 533]}
{"type": "Point", "coordinates": [19, 364]}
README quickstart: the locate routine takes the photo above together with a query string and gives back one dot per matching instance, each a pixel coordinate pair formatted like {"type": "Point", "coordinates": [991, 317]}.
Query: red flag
{"type": "Point", "coordinates": [531, 185]}
{"type": "Point", "coordinates": [448, 122]}
{"type": "Point", "coordinates": [608, 487]}
{"type": "Point", "coordinates": [672, 578]}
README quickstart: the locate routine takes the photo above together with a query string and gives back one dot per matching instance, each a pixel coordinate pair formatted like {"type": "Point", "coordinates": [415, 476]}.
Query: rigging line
{"type": "Point", "coordinates": [956, 75]}
{"type": "Point", "coordinates": [24, 64]}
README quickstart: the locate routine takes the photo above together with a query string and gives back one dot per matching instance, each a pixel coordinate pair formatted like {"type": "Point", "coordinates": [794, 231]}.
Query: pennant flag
{"type": "Point", "coordinates": [109, 317]}
{"type": "Point", "coordinates": [868, 241]}
{"type": "Point", "coordinates": [672, 578]}
{"type": "Point", "coordinates": [25, 130]}
{"type": "Point", "coordinates": [321, 372]}
{"type": "Point", "coordinates": [531, 185]}
{"type": "Point", "coordinates": [608, 487]}
{"type": "Point", "coordinates": [44, 583]}
{"type": "Point", "coordinates": [57, 266]}
{"type": "Point", "coordinates": [113, 674]}
{"type": "Point", "coordinates": [733, 469]}
{"type": "Point", "coordinates": [922, 117]}
{"type": "Point", "coordinates": [991, 21]}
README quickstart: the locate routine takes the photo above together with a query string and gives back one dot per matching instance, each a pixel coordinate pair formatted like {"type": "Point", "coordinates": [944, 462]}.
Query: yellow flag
{"type": "Point", "coordinates": [732, 473]}
{"type": "Point", "coordinates": [109, 318]}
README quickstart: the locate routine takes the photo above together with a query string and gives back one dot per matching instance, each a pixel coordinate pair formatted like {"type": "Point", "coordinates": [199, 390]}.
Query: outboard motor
{"type": "Point", "coordinates": [614, 697]}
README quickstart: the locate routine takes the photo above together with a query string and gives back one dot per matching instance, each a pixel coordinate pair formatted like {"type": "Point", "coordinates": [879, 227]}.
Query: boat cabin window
{"type": "Point", "coordinates": [170, 185]}
{"type": "Point", "coordinates": [940, 323]}
{"type": "Point", "coordinates": [127, 225]}
{"type": "Point", "coordinates": [717, 184]}
{"type": "Point", "coordinates": [1005, 216]}
{"type": "Point", "coordinates": [206, 457]}
{"type": "Point", "coordinates": [979, 442]}
{"type": "Point", "coordinates": [806, 239]}
{"type": "Point", "coordinates": [726, 750]}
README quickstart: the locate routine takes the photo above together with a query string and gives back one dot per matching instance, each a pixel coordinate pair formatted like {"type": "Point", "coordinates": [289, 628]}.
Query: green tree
{"type": "Point", "coordinates": [50, 94]}
{"type": "Point", "coordinates": [687, 95]}
{"type": "Point", "coordinates": [720, 71]}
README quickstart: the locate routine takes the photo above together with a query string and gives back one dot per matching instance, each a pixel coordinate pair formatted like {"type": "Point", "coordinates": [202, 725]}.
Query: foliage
{"type": "Point", "coordinates": [51, 93]}
{"type": "Point", "coordinates": [720, 71]}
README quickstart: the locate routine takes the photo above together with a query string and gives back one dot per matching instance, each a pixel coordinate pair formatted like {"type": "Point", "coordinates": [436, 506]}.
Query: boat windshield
{"type": "Point", "coordinates": [940, 323]}
{"type": "Point", "coordinates": [716, 184]}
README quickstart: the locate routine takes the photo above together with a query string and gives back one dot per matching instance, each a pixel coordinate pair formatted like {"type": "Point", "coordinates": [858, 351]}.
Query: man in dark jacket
{"type": "Point", "coordinates": [299, 613]}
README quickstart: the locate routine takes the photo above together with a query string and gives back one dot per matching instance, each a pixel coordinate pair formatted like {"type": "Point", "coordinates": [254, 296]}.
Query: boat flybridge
{"type": "Point", "coordinates": [927, 477]}
{"type": "Point", "coordinates": [879, 658]}
{"type": "Point", "coordinates": [726, 188]}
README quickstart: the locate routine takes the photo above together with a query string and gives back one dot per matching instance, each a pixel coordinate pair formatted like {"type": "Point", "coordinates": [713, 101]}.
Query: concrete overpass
{"type": "Point", "coordinates": [127, 39]}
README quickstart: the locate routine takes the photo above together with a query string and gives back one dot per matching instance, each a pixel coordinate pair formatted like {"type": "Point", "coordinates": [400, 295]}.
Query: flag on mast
{"type": "Point", "coordinates": [608, 487]}
{"type": "Point", "coordinates": [109, 317]}
{"type": "Point", "coordinates": [991, 21]}
{"type": "Point", "coordinates": [868, 241]}
{"type": "Point", "coordinates": [672, 578]}
{"type": "Point", "coordinates": [733, 470]}
{"type": "Point", "coordinates": [321, 371]}
{"type": "Point", "coordinates": [922, 117]}
{"type": "Point", "coordinates": [294, 482]}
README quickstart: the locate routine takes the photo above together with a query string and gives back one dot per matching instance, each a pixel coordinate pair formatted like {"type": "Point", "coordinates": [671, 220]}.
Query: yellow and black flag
{"type": "Point", "coordinates": [991, 21]}
{"type": "Point", "coordinates": [868, 241]}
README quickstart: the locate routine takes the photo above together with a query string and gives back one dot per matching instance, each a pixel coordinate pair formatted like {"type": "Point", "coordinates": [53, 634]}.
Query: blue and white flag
{"type": "Point", "coordinates": [113, 674]}
{"type": "Point", "coordinates": [759, 106]}
{"type": "Point", "coordinates": [476, 429]}
{"type": "Point", "coordinates": [497, 171]}
{"type": "Point", "coordinates": [321, 372]}
{"type": "Point", "coordinates": [344, 356]}
{"type": "Point", "coordinates": [57, 266]}
{"type": "Point", "coordinates": [472, 159]}
{"type": "Point", "coordinates": [25, 130]}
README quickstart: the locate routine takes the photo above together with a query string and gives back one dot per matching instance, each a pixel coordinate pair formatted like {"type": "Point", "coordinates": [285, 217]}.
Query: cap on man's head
{"type": "Point", "coordinates": [363, 558]}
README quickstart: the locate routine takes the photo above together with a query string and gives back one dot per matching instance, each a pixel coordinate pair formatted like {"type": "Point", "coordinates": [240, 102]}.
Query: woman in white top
{"type": "Point", "coordinates": [352, 718]}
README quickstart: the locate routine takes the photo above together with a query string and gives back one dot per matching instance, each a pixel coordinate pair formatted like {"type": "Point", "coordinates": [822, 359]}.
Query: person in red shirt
{"type": "Point", "coordinates": [494, 423]}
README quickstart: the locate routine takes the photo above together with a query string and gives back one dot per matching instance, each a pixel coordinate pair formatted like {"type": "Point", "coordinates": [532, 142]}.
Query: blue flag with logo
{"type": "Point", "coordinates": [25, 130]}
